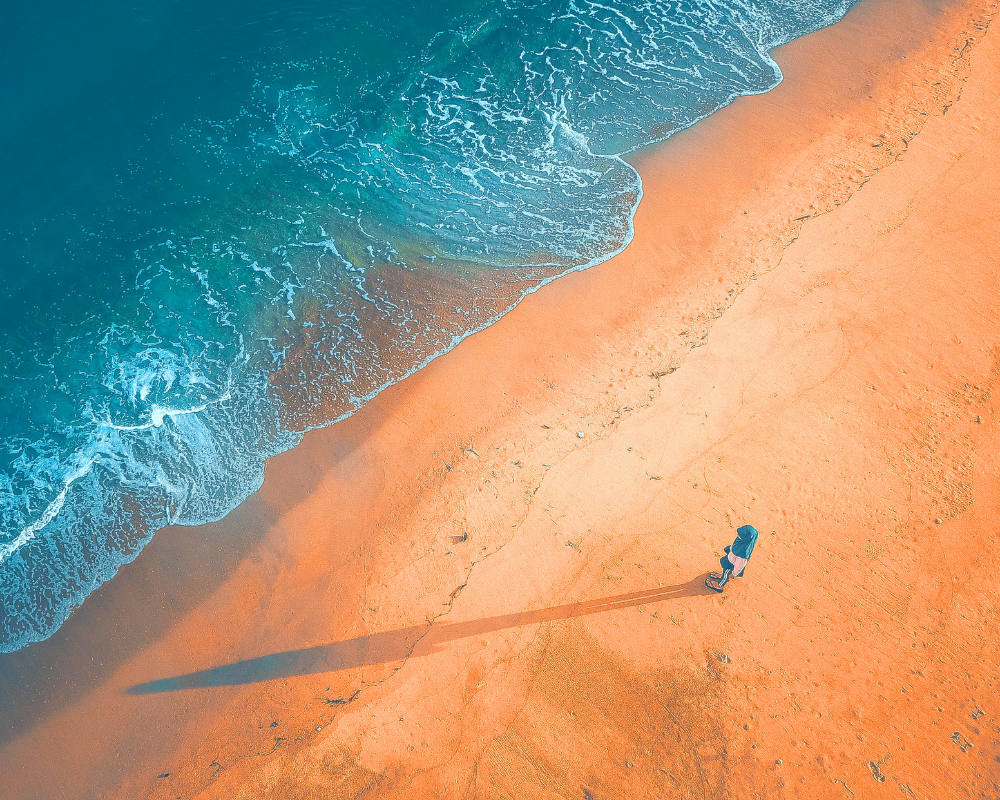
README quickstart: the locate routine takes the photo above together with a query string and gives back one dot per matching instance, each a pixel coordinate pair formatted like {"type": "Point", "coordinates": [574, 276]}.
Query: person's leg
{"type": "Point", "coordinates": [724, 563]}
{"type": "Point", "coordinates": [715, 581]}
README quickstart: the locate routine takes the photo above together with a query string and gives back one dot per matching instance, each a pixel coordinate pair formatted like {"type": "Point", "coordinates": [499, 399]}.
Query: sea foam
{"type": "Point", "coordinates": [297, 219]}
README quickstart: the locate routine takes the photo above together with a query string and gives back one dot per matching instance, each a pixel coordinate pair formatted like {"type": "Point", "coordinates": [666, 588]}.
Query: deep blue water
{"type": "Point", "coordinates": [223, 223]}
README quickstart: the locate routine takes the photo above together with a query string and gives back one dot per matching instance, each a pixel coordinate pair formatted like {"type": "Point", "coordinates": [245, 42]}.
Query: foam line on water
{"type": "Point", "coordinates": [49, 514]}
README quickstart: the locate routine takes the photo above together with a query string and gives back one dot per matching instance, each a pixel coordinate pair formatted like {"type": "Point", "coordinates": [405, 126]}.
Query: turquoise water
{"type": "Point", "coordinates": [226, 223]}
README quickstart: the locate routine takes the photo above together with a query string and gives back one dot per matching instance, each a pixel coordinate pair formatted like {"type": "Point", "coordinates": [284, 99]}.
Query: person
{"type": "Point", "coordinates": [735, 560]}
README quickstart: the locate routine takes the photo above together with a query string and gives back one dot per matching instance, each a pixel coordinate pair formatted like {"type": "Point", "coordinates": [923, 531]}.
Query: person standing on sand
{"type": "Point", "coordinates": [735, 559]}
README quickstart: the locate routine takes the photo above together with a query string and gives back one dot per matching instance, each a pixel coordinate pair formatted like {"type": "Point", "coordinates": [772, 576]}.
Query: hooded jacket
{"type": "Point", "coordinates": [746, 538]}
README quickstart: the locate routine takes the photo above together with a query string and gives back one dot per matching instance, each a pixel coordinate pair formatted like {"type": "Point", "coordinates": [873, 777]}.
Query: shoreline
{"type": "Point", "coordinates": [347, 408]}
{"type": "Point", "coordinates": [359, 530]}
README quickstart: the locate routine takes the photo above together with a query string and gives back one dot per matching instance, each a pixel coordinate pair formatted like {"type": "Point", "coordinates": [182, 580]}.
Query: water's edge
{"type": "Point", "coordinates": [241, 466]}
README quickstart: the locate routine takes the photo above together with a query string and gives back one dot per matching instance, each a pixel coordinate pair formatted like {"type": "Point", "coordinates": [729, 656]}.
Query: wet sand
{"type": "Point", "coordinates": [489, 583]}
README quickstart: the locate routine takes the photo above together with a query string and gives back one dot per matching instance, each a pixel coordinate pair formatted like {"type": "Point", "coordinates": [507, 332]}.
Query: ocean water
{"type": "Point", "coordinates": [223, 224]}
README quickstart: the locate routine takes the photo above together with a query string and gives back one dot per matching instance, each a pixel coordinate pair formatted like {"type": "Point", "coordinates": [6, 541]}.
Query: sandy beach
{"type": "Point", "coordinates": [489, 583]}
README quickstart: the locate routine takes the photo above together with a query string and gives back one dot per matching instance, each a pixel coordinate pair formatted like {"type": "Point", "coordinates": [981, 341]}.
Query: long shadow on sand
{"type": "Point", "coordinates": [177, 570]}
{"type": "Point", "coordinates": [382, 648]}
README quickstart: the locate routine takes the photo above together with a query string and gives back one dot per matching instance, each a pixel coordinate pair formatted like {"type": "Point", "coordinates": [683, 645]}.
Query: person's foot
{"type": "Point", "coordinates": [712, 582]}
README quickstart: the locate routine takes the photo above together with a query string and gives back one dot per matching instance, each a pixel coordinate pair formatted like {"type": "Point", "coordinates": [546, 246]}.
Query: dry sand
{"type": "Point", "coordinates": [489, 582]}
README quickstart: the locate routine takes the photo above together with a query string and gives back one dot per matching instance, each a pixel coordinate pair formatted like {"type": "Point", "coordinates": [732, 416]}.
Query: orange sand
{"type": "Point", "coordinates": [498, 564]}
